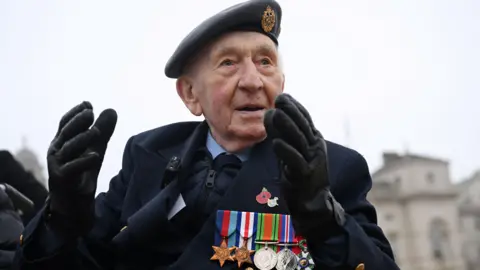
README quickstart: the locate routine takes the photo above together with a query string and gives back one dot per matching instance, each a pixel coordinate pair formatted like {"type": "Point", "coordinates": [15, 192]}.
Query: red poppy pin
{"type": "Point", "coordinates": [265, 197]}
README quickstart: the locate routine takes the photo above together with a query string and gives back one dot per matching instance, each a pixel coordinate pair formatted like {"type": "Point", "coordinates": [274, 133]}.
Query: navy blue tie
{"type": "Point", "coordinates": [228, 163]}
{"type": "Point", "coordinates": [220, 178]}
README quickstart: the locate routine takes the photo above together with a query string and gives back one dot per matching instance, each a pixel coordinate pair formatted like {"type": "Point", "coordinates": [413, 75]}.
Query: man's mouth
{"type": "Point", "coordinates": [250, 108]}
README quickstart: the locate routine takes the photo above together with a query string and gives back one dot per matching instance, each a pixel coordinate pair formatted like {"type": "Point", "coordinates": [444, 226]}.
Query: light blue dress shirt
{"type": "Point", "coordinates": [215, 149]}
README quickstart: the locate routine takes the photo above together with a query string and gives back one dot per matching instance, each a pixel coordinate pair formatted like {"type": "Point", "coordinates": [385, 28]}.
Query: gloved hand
{"type": "Point", "coordinates": [74, 160]}
{"type": "Point", "coordinates": [302, 153]}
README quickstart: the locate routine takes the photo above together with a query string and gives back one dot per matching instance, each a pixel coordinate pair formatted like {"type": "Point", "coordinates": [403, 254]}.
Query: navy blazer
{"type": "Point", "coordinates": [132, 231]}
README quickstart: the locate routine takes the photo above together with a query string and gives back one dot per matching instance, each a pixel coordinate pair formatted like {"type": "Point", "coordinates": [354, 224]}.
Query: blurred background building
{"type": "Point", "coordinates": [430, 222]}
{"type": "Point", "coordinates": [469, 210]}
{"type": "Point", "coordinates": [30, 162]}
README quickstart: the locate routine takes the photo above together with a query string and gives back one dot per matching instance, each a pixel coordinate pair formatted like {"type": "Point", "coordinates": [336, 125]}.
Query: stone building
{"type": "Point", "coordinates": [417, 209]}
{"type": "Point", "coordinates": [30, 162]}
{"type": "Point", "coordinates": [469, 209]}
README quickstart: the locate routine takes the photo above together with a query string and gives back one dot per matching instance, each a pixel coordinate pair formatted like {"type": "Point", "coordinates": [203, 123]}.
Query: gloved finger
{"type": "Point", "coordinates": [70, 114]}
{"type": "Point", "coordinates": [76, 146]}
{"type": "Point", "coordinates": [323, 147]}
{"type": "Point", "coordinates": [84, 163]}
{"type": "Point", "coordinates": [78, 124]}
{"type": "Point", "coordinates": [294, 161]}
{"type": "Point", "coordinates": [105, 124]}
{"type": "Point", "coordinates": [305, 113]}
{"type": "Point", "coordinates": [289, 132]}
{"type": "Point", "coordinates": [281, 127]}
{"type": "Point", "coordinates": [268, 123]}
{"type": "Point", "coordinates": [87, 186]}
{"type": "Point", "coordinates": [286, 103]}
{"type": "Point", "coordinates": [301, 108]}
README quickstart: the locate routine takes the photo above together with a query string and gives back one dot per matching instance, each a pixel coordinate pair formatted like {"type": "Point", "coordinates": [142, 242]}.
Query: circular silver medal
{"type": "Point", "coordinates": [287, 260]}
{"type": "Point", "coordinates": [265, 258]}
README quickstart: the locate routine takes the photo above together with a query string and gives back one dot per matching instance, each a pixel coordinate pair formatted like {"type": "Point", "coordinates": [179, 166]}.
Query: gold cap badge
{"type": "Point", "coordinates": [268, 19]}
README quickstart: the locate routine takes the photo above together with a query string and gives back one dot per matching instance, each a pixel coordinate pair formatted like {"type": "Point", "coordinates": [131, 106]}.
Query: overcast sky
{"type": "Point", "coordinates": [404, 73]}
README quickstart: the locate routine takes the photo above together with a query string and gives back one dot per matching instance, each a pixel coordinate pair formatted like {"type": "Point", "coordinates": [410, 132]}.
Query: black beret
{"type": "Point", "coordinates": [263, 16]}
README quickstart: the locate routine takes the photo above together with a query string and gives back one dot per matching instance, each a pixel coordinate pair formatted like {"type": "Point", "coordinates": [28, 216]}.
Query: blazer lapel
{"type": "Point", "coordinates": [152, 171]}
{"type": "Point", "coordinates": [149, 220]}
{"type": "Point", "coordinates": [257, 186]}
{"type": "Point", "coordinates": [149, 172]}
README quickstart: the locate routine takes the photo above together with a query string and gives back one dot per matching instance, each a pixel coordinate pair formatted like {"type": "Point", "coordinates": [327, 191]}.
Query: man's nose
{"type": "Point", "coordinates": [250, 78]}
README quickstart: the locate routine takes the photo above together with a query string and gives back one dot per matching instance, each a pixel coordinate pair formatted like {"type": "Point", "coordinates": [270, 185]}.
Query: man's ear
{"type": "Point", "coordinates": [283, 83]}
{"type": "Point", "coordinates": [185, 92]}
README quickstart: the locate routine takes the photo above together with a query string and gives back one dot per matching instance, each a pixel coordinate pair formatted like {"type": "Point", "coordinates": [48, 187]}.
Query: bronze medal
{"type": "Point", "coordinates": [222, 253]}
{"type": "Point", "coordinates": [242, 254]}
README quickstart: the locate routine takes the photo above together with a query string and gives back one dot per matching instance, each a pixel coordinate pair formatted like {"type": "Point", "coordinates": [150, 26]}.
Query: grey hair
{"type": "Point", "coordinates": [280, 59]}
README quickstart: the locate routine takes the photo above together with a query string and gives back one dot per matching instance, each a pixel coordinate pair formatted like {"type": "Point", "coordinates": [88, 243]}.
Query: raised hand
{"type": "Point", "coordinates": [302, 152]}
{"type": "Point", "coordinates": [74, 160]}
{"type": "Point", "coordinates": [298, 145]}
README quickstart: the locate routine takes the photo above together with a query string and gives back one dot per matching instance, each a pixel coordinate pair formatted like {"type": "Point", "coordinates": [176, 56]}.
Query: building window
{"type": "Point", "coordinates": [388, 217]}
{"type": "Point", "coordinates": [439, 240]}
{"type": "Point", "coordinates": [477, 223]}
{"type": "Point", "coordinates": [430, 178]}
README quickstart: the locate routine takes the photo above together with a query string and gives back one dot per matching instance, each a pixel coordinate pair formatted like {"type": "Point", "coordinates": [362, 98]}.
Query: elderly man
{"type": "Point", "coordinates": [255, 185]}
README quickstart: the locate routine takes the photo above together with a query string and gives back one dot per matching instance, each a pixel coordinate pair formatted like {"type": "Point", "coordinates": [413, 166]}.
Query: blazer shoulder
{"type": "Point", "coordinates": [164, 136]}
{"type": "Point", "coordinates": [338, 153]}
{"type": "Point", "coordinates": [344, 161]}
{"type": "Point", "coordinates": [349, 172]}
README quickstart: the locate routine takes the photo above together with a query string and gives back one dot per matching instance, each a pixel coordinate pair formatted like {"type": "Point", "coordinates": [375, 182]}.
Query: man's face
{"type": "Point", "coordinates": [233, 83]}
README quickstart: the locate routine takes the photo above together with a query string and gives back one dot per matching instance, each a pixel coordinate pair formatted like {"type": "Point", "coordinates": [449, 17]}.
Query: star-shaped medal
{"type": "Point", "coordinates": [222, 253]}
{"type": "Point", "coordinates": [242, 255]}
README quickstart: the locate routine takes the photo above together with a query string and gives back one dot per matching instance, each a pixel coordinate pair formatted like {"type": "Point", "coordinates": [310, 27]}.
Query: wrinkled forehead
{"type": "Point", "coordinates": [241, 42]}
{"type": "Point", "coordinates": [236, 43]}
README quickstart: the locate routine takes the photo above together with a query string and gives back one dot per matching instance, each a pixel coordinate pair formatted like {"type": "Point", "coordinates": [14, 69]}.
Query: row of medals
{"type": "Point", "coordinates": [267, 259]}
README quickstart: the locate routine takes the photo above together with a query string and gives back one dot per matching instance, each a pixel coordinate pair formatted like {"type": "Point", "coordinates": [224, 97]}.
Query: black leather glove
{"type": "Point", "coordinates": [74, 160]}
{"type": "Point", "coordinates": [302, 153]}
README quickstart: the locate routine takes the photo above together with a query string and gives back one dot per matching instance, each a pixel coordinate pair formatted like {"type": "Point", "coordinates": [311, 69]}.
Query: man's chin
{"type": "Point", "coordinates": [250, 132]}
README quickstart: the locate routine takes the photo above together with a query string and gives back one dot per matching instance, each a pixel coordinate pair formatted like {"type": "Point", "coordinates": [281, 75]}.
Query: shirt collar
{"type": "Point", "coordinates": [215, 149]}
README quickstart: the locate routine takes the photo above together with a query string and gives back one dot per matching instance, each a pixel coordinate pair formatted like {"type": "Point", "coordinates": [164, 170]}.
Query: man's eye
{"type": "Point", "coordinates": [227, 62]}
{"type": "Point", "coordinates": [266, 61]}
